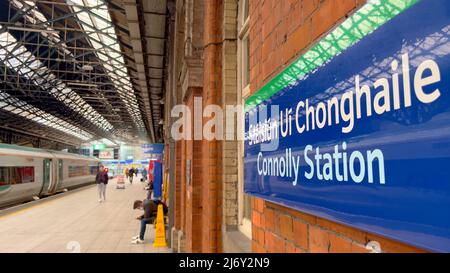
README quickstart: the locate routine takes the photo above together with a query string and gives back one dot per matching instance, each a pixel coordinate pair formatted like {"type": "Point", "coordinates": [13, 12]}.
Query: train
{"type": "Point", "coordinates": [28, 174]}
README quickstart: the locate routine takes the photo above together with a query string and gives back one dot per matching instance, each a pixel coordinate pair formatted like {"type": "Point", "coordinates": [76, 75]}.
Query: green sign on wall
{"type": "Point", "coordinates": [99, 147]}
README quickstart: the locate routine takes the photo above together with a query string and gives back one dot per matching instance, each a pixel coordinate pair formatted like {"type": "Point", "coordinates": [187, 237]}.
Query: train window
{"type": "Point", "coordinates": [27, 174]}
{"type": "Point", "coordinates": [4, 180]}
{"type": "Point", "coordinates": [94, 169]}
{"type": "Point", "coordinates": [78, 171]}
{"type": "Point", "coordinates": [16, 175]}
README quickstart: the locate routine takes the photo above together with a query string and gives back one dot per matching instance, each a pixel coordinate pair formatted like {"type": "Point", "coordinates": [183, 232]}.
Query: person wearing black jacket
{"type": "Point", "coordinates": [131, 173]}
{"type": "Point", "coordinates": [102, 180]}
{"type": "Point", "coordinates": [150, 208]}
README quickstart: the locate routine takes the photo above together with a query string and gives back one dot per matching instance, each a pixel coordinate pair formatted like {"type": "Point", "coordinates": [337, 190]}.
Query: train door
{"type": "Point", "coordinates": [60, 173]}
{"type": "Point", "coordinates": [55, 177]}
{"type": "Point", "coordinates": [46, 176]}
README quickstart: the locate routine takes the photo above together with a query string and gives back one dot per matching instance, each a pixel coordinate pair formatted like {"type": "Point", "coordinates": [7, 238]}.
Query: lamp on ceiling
{"type": "Point", "coordinates": [87, 67]}
{"type": "Point", "coordinates": [81, 84]}
{"type": "Point", "coordinates": [40, 30]}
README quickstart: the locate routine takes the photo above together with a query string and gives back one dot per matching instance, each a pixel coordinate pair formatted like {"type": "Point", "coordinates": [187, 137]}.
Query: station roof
{"type": "Point", "coordinates": [80, 70]}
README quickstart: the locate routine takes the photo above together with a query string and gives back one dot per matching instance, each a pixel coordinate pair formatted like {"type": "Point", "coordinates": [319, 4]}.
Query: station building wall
{"type": "Point", "coordinates": [204, 66]}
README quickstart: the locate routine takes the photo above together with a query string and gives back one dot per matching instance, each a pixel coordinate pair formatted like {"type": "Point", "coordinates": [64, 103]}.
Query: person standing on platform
{"type": "Point", "coordinates": [126, 172]}
{"type": "Point", "coordinates": [130, 174]}
{"type": "Point", "coordinates": [102, 180]}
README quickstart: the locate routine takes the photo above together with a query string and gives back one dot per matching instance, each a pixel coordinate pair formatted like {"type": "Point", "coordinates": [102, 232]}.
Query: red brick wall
{"type": "Point", "coordinates": [198, 207]}
{"type": "Point", "coordinates": [280, 229]}
{"type": "Point", "coordinates": [212, 82]}
{"type": "Point", "coordinates": [192, 215]}
{"type": "Point", "coordinates": [178, 176]}
{"type": "Point", "coordinates": [279, 32]}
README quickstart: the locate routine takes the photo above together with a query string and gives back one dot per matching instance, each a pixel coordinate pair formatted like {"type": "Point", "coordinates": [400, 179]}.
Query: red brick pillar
{"type": "Point", "coordinates": [178, 176]}
{"type": "Point", "coordinates": [212, 82]}
{"type": "Point", "coordinates": [193, 201]}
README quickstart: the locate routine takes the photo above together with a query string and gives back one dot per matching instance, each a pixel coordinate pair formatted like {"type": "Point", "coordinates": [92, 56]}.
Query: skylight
{"type": "Point", "coordinates": [32, 113]}
{"type": "Point", "coordinates": [23, 62]}
{"type": "Point", "coordinates": [37, 18]}
{"type": "Point", "coordinates": [100, 30]}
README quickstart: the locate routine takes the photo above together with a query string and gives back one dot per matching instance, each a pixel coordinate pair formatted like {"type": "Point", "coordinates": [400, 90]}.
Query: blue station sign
{"type": "Point", "coordinates": [154, 148]}
{"type": "Point", "coordinates": [357, 130]}
{"type": "Point", "coordinates": [153, 151]}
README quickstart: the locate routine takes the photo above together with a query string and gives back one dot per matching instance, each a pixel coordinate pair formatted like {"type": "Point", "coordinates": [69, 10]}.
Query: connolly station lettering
{"type": "Point", "coordinates": [305, 117]}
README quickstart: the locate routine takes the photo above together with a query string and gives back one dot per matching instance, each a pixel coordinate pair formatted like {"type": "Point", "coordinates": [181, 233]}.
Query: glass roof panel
{"type": "Point", "coordinates": [102, 36]}
{"type": "Point", "coordinates": [108, 50]}
{"type": "Point", "coordinates": [15, 107]}
{"type": "Point", "coordinates": [16, 61]}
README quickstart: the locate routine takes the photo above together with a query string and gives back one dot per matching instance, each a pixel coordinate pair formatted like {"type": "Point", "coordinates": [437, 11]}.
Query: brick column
{"type": "Point", "coordinates": [193, 201]}
{"type": "Point", "coordinates": [211, 153]}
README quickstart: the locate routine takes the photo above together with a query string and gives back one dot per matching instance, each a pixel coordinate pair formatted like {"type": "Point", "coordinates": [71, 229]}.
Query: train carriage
{"type": "Point", "coordinates": [26, 173]}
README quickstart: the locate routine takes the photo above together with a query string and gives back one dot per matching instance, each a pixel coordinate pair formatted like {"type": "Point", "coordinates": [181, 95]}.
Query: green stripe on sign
{"type": "Point", "coordinates": [363, 22]}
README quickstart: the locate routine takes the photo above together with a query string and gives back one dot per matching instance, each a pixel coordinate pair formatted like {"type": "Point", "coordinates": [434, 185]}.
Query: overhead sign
{"type": "Point", "coordinates": [110, 162]}
{"type": "Point", "coordinates": [99, 147]}
{"type": "Point", "coordinates": [357, 130]}
{"type": "Point", "coordinates": [106, 154]}
{"type": "Point", "coordinates": [153, 151]}
{"type": "Point", "coordinates": [154, 148]}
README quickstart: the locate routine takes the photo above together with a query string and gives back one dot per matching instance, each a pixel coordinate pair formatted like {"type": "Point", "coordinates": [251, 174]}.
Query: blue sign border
{"type": "Point", "coordinates": [414, 205]}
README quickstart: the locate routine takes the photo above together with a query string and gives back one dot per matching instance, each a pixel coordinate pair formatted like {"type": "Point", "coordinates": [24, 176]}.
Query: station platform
{"type": "Point", "coordinates": [76, 222]}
